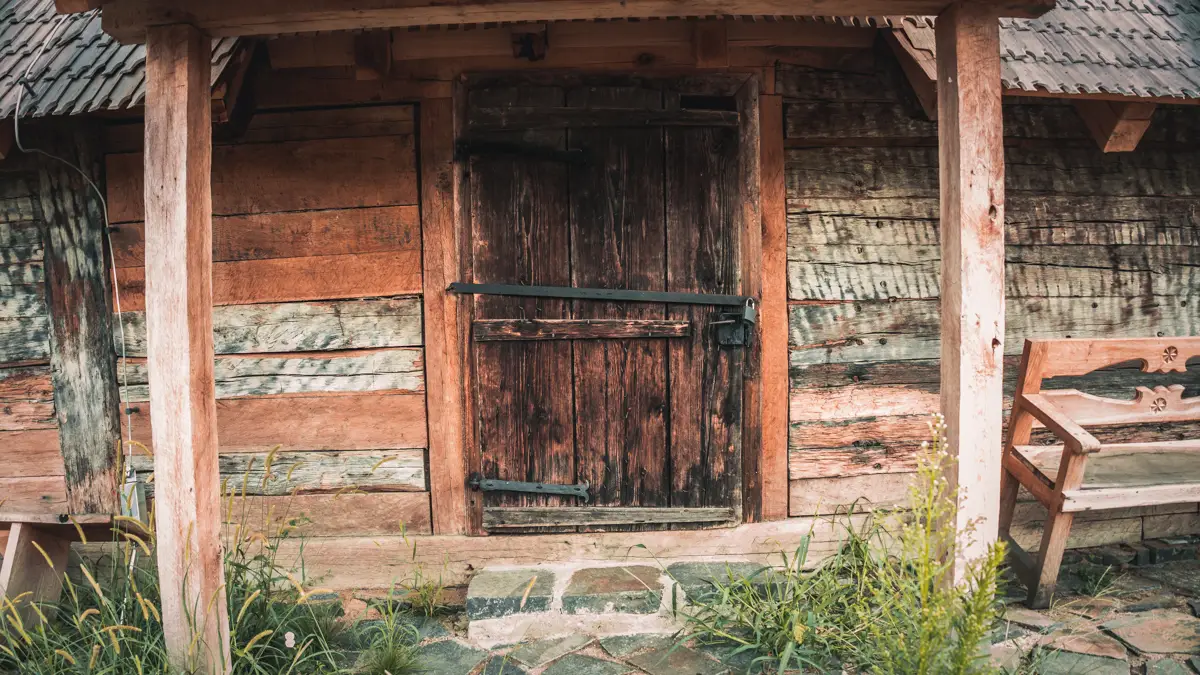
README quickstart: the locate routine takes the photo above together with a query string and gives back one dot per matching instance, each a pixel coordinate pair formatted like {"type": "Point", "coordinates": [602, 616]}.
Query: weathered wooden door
{"type": "Point", "coordinates": [605, 183]}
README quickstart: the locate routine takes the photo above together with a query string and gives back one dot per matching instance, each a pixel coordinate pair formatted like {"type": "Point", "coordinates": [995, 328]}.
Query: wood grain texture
{"type": "Point", "coordinates": [26, 399]}
{"type": "Point", "coordinates": [37, 494]}
{"type": "Point", "coordinates": [502, 518]}
{"type": "Point", "coordinates": [310, 472]}
{"type": "Point", "coordinates": [441, 204]}
{"type": "Point", "coordinates": [178, 215]}
{"type": "Point", "coordinates": [287, 176]}
{"type": "Point", "coordinates": [294, 234]}
{"type": "Point", "coordinates": [840, 495]}
{"type": "Point", "coordinates": [324, 422]}
{"type": "Point", "coordinates": [493, 330]}
{"type": "Point", "coordinates": [33, 571]}
{"type": "Point", "coordinates": [322, 277]}
{"type": "Point", "coordinates": [301, 326]}
{"type": "Point", "coordinates": [373, 514]}
{"type": "Point", "coordinates": [774, 311]}
{"type": "Point", "coordinates": [78, 298]}
{"type": "Point", "coordinates": [258, 375]}
{"type": "Point", "coordinates": [31, 453]}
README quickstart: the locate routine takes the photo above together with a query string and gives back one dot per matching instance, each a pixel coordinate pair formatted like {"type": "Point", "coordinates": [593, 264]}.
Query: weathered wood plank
{"type": "Point", "coordinates": [908, 329]}
{"type": "Point", "coordinates": [22, 302]}
{"type": "Point", "coordinates": [287, 176]}
{"type": "Point", "coordinates": [24, 339]}
{"type": "Point", "coordinates": [297, 423]}
{"type": "Point", "coordinates": [486, 330]}
{"type": "Point", "coordinates": [502, 518]}
{"type": "Point", "coordinates": [853, 461]}
{"type": "Point", "coordinates": [78, 297]}
{"type": "Point", "coordinates": [826, 496]}
{"type": "Point", "coordinates": [301, 326]}
{"type": "Point", "coordinates": [26, 399]}
{"type": "Point", "coordinates": [822, 405]}
{"type": "Point", "coordinates": [348, 514]}
{"type": "Point", "coordinates": [31, 452]}
{"type": "Point", "coordinates": [35, 494]}
{"type": "Point", "coordinates": [1100, 220]}
{"type": "Point", "coordinates": [311, 472]}
{"type": "Point", "coordinates": [775, 330]}
{"type": "Point", "coordinates": [244, 376]}
{"type": "Point", "coordinates": [325, 277]}
{"type": "Point", "coordinates": [871, 272]}
{"type": "Point", "coordinates": [296, 234]}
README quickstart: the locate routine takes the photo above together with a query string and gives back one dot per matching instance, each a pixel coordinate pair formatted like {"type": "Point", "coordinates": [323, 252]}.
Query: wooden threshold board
{"type": "Point", "coordinates": [501, 518]}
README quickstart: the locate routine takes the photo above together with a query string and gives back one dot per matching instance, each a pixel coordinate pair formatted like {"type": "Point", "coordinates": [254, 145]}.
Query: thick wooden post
{"type": "Point", "coordinates": [78, 295]}
{"type": "Point", "coordinates": [180, 347]}
{"type": "Point", "coordinates": [971, 160]}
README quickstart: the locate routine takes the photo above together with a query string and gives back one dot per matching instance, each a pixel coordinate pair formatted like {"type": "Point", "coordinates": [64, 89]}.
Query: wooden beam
{"type": "Point", "coordinates": [1116, 126]}
{"type": "Point", "coordinates": [444, 332]}
{"type": "Point", "coordinates": [920, 69]}
{"type": "Point", "coordinates": [78, 296]}
{"type": "Point", "coordinates": [710, 44]}
{"type": "Point", "coordinates": [372, 55]}
{"type": "Point", "coordinates": [127, 19]}
{"type": "Point", "coordinates": [24, 570]}
{"type": "Point", "coordinates": [75, 6]}
{"type": "Point", "coordinates": [749, 221]}
{"type": "Point", "coordinates": [971, 160]}
{"type": "Point", "coordinates": [180, 352]}
{"type": "Point", "coordinates": [774, 311]}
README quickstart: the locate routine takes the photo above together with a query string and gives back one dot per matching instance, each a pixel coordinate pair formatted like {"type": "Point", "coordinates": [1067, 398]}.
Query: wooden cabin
{"type": "Point", "coordinates": [760, 187]}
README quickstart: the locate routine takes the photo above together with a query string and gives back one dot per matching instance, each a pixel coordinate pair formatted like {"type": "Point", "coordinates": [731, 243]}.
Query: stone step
{"type": "Point", "coordinates": [506, 605]}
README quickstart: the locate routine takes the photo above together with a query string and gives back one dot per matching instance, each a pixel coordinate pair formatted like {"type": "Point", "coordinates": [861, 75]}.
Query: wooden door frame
{"type": "Point", "coordinates": [447, 236]}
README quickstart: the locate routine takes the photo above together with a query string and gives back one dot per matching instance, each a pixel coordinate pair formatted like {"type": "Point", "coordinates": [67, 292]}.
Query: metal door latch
{"type": "Point", "coordinates": [579, 490]}
{"type": "Point", "coordinates": [735, 329]}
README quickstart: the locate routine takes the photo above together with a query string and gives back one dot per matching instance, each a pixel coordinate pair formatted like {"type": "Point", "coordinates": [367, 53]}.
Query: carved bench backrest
{"type": "Point", "coordinates": [1075, 357]}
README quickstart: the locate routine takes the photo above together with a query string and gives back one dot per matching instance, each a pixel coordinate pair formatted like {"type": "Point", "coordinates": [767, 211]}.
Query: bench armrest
{"type": "Point", "coordinates": [1075, 437]}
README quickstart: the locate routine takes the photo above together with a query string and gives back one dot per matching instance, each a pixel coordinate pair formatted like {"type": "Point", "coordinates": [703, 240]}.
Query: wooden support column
{"type": "Point", "coordinates": [971, 162]}
{"type": "Point", "coordinates": [774, 314]}
{"type": "Point", "coordinates": [444, 383]}
{"type": "Point", "coordinates": [180, 348]}
{"type": "Point", "coordinates": [78, 296]}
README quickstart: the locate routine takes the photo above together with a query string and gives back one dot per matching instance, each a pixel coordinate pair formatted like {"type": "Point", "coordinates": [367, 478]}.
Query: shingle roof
{"type": "Point", "coordinates": [82, 70]}
{"type": "Point", "coordinates": [1143, 48]}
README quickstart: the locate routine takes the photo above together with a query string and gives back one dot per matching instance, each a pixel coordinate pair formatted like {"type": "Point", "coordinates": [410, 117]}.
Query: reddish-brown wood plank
{"type": "Point", "coordinates": [324, 277]}
{"type": "Point", "coordinates": [287, 176]}
{"type": "Point", "coordinates": [35, 494]}
{"type": "Point", "coordinates": [773, 312]}
{"type": "Point", "coordinates": [617, 236]}
{"type": "Point", "coordinates": [26, 399]}
{"type": "Point", "coordinates": [445, 379]}
{"type": "Point", "coordinates": [337, 515]}
{"type": "Point", "coordinates": [330, 422]}
{"type": "Point", "coordinates": [295, 234]}
{"type": "Point", "coordinates": [30, 453]}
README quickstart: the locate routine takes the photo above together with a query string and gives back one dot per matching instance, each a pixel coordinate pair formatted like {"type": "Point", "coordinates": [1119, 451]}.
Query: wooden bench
{"type": "Point", "coordinates": [24, 572]}
{"type": "Point", "coordinates": [1083, 474]}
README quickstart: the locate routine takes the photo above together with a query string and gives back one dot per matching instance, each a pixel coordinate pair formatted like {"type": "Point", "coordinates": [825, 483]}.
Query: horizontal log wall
{"type": "Point", "coordinates": [1097, 246]}
{"type": "Point", "coordinates": [317, 325]}
{"type": "Point", "coordinates": [31, 465]}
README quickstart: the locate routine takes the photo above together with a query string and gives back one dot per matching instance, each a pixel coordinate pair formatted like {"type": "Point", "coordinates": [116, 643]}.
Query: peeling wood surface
{"type": "Point", "coordinates": [26, 399]}
{"type": "Point", "coordinates": [259, 375]}
{"type": "Point", "coordinates": [309, 472]}
{"type": "Point", "coordinates": [302, 326]}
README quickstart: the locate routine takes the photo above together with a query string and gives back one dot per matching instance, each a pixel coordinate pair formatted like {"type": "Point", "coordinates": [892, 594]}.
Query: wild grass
{"type": "Point", "coordinates": [109, 620]}
{"type": "Point", "coordinates": [882, 604]}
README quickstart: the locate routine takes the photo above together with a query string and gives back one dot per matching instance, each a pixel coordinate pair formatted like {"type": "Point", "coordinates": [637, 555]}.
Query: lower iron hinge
{"type": "Point", "coordinates": [579, 490]}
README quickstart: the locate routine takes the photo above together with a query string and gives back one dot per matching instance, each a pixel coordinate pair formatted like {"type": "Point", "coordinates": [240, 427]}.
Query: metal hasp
{"type": "Point", "coordinates": [579, 490]}
{"type": "Point", "coordinates": [734, 329]}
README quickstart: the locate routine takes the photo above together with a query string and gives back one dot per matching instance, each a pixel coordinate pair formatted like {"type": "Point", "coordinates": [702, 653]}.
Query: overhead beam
{"type": "Point", "coordinates": [127, 19]}
{"type": "Point", "coordinates": [180, 348]}
{"type": "Point", "coordinates": [971, 177]}
{"type": "Point", "coordinates": [920, 69]}
{"type": "Point", "coordinates": [1116, 126]}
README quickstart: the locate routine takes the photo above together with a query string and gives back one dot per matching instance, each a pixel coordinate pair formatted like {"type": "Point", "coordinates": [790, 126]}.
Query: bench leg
{"type": "Point", "coordinates": [1009, 486]}
{"type": "Point", "coordinates": [25, 570]}
{"type": "Point", "coordinates": [1054, 543]}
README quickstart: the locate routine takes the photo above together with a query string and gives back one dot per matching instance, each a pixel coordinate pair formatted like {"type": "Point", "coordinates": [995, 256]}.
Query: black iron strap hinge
{"type": "Point", "coordinates": [579, 490]}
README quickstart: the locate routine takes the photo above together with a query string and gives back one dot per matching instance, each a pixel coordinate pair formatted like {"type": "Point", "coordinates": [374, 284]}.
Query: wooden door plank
{"type": "Point", "coordinates": [578, 329]}
{"type": "Point", "coordinates": [498, 519]}
{"type": "Point", "coordinates": [703, 199]}
{"type": "Point", "coordinates": [178, 209]}
{"type": "Point", "coordinates": [971, 161]}
{"type": "Point", "coordinates": [617, 237]}
{"type": "Point", "coordinates": [549, 117]}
